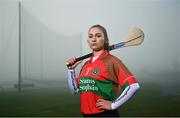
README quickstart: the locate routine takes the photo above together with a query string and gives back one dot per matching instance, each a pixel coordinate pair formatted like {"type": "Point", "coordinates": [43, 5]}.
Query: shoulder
{"type": "Point", "coordinates": [83, 67]}
{"type": "Point", "coordinates": [111, 59]}
{"type": "Point", "coordinates": [85, 63]}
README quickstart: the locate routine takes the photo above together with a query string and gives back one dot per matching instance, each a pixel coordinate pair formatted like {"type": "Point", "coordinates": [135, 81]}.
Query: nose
{"type": "Point", "coordinates": [94, 39]}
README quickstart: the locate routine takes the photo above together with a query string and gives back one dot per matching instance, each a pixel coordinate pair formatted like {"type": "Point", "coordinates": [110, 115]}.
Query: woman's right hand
{"type": "Point", "coordinates": [72, 62]}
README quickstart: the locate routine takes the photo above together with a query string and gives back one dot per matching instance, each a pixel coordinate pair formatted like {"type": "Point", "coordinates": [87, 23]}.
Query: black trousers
{"type": "Point", "coordinates": [107, 113]}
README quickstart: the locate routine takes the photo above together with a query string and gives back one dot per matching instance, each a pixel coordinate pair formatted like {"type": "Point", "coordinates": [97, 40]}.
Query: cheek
{"type": "Point", "coordinates": [102, 42]}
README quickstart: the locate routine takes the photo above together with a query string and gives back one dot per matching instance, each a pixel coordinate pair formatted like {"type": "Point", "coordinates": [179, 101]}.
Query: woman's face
{"type": "Point", "coordinates": [96, 39]}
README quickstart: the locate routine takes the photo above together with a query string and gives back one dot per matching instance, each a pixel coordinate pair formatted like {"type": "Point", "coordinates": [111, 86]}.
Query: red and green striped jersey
{"type": "Point", "coordinates": [100, 79]}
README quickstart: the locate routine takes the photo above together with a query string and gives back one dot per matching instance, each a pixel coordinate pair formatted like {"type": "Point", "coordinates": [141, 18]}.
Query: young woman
{"type": "Point", "coordinates": [100, 77]}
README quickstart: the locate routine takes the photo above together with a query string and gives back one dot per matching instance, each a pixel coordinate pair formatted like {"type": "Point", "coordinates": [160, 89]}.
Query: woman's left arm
{"type": "Point", "coordinates": [127, 93]}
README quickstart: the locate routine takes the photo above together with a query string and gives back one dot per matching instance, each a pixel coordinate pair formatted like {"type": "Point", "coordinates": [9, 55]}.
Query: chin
{"type": "Point", "coordinates": [97, 49]}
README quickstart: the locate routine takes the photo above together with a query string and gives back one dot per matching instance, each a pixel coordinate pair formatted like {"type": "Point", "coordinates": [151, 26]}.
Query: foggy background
{"type": "Point", "coordinates": [54, 30]}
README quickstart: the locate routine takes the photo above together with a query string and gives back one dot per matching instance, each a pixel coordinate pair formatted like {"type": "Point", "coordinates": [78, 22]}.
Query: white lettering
{"type": "Point", "coordinates": [88, 70]}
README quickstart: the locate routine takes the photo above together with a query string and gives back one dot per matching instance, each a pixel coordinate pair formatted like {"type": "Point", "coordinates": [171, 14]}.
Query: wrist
{"type": "Point", "coordinates": [112, 106]}
{"type": "Point", "coordinates": [71, 70]}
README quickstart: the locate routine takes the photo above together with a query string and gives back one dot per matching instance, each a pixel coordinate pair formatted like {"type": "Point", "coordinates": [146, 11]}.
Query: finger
{"type": "Point", "coordinates": [71, 60]}
{"type": "Point", "coordinates": [67, 63]}
{"type": "Point", "coordinates": [100, 100]}
{"type": "Point", "coordinates": [74, 59]}
{"type": "Point", "coordinates": [98, 104]}
{"type": "Point", "coordinates": [76, 64]}
{"type": "Point", "coordinates": [101, 107]}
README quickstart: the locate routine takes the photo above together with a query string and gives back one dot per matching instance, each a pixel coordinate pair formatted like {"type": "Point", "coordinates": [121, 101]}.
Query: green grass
{"type": "Point", "coordinates": [39, 102]}
{"type": "Point", "coordinates": [149, 101]}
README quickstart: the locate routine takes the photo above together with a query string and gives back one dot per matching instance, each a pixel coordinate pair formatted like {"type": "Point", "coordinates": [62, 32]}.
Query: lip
{"type": "Point", "coordinates": [93, 43]}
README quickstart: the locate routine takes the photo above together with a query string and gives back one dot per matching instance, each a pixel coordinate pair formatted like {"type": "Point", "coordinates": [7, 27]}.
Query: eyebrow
{"type": "Point", "coordinates": [95, 34]}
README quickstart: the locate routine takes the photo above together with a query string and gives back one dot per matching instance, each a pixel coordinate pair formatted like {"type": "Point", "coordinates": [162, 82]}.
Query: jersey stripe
{"type": "Point", "coordinates": [128, 88]}
{"type": "Point", "coordinates": [122, 66]}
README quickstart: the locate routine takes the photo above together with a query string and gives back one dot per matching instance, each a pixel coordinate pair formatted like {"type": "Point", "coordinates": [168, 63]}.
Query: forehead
{"type": "Point", "coordinates": [95, 30]}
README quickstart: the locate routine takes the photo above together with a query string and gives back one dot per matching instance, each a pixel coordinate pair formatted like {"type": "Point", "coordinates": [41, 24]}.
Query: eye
{"type": "Point", "coordinates": [98, 35]}
{"type": "Point", "coordinates": [90, 36]}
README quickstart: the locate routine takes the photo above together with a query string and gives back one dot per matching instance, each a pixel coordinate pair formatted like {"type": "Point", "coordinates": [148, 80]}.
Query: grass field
{"type": "Point", "coordinates": [149, 101]}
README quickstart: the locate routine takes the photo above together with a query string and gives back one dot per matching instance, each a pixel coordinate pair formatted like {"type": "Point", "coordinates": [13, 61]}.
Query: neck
{"type": "Point", "coordinates": [97, 53]}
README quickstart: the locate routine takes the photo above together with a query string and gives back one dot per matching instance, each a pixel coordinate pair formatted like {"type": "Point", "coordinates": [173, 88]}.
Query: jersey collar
{"type": "Point", "coordinates": [103, 54]}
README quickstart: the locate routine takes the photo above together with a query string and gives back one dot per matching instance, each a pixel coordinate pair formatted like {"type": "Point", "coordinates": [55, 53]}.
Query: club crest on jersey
{"type": "Point", "coordinates": [96, 71]}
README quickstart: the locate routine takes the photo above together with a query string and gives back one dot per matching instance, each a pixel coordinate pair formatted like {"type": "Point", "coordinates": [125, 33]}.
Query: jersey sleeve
{"type": "Point", "coordinates": [127, 93]}
{"type": "Point", "coordinates": [72, 82]}
{"type": "Point", "coordinates": [125, 77]}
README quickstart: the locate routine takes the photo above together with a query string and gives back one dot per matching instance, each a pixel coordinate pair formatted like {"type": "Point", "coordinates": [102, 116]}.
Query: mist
{"type": "Point", "coordinates": [52, 31]}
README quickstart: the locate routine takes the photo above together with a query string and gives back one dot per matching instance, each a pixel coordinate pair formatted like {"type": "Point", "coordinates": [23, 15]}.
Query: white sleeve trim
{"type": "Point", "coordinates": [72, 82]}
{"type": "Point", "coordinates": [125, 96]}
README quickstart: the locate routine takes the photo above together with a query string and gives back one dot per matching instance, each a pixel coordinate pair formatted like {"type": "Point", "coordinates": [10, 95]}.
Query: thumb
{"type": "Point", "coordinates": [76, 64]}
